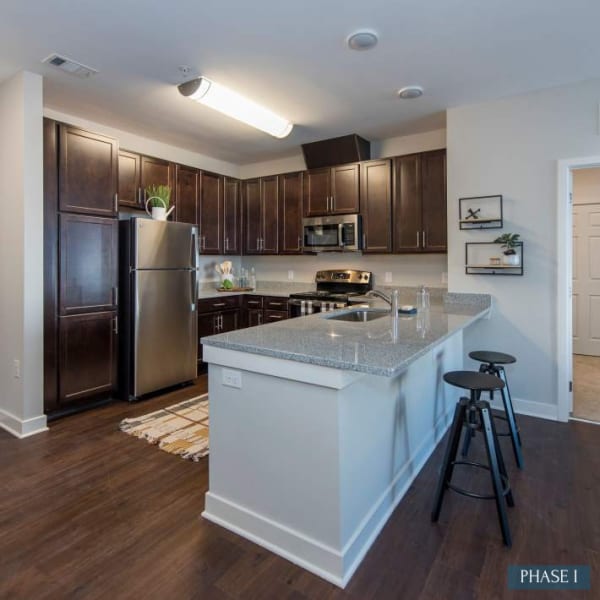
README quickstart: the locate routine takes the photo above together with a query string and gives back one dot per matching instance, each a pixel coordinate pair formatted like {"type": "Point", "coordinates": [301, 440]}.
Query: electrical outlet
{"type": "Point", "coordinates": [444, 277]}
{"type": "Point", "coordinates": [232, 378]}
{"type": "Point", "coordinates": [290, 275]}
{"type": "Point", "coordinates": [388, 277]}
{"type": "Point", "coordinates": [17, 369]}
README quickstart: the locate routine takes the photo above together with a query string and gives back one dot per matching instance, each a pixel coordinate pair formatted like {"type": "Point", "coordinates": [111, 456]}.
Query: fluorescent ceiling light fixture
{"type": "Point", "coordinates": [234, 105]}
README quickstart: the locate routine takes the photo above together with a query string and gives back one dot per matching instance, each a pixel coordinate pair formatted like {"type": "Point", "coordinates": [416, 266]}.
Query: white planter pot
{"type": "Point", "coordinates": [511, 259]}
{"type": "Point", "coordinates": [159, 213]}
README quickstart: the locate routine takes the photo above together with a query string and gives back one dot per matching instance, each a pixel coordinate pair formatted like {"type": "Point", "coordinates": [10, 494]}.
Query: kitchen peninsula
{"type": "Point", "coordinates": [319, 426]}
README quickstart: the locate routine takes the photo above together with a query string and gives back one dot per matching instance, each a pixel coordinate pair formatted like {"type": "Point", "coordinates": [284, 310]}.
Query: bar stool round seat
{"type": "Point", "coordinates": [493, 358]}
{"type": "Point", "coordinates": [473, 380]}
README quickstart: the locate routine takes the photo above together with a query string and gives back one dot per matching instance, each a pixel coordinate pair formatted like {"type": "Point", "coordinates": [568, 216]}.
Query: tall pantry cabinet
{"type": "Point", "coordinates": [80, 266]}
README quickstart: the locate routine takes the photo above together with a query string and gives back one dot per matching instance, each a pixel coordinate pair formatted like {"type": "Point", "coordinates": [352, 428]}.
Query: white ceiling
{"type": "Point", "coordinates": [291, 56]}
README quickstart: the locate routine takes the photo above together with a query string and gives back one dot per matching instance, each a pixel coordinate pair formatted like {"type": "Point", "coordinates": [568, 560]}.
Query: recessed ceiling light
{"type": "Point", "coordinates": [410, 91]}
{"type": "Point", "coordinates": [362, 40]}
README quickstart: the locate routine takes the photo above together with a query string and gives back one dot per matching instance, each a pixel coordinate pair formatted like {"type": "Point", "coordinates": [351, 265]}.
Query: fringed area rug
{"type": "Point", "coordinates": [180, 429]}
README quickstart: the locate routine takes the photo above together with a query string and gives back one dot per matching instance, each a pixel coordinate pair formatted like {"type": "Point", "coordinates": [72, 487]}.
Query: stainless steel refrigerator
{"type": "Point", "coordinates": [158, 277]}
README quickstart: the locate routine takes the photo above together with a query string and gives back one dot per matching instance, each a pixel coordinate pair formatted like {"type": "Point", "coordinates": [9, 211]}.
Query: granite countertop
{"type": "Point", "coordinates": [364, 347]}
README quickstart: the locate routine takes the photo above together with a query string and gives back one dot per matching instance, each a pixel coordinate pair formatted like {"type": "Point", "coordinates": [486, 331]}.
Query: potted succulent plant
{"type": "Point", "coordinates": [159, 198]}
{"type": "Point", "coordinates": [508, 241]}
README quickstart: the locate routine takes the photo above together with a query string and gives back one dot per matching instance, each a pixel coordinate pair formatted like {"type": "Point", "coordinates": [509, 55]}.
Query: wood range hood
{"type": "Point", "coordinates": [336, 151]}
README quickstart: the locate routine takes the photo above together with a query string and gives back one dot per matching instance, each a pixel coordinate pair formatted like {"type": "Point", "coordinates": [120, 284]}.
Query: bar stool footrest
{"type": "Point", "coordinates": [459, 490]}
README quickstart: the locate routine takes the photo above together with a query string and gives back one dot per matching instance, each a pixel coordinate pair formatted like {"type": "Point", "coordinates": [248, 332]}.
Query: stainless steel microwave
{"type": "Point", "coordinates": [332, 234]}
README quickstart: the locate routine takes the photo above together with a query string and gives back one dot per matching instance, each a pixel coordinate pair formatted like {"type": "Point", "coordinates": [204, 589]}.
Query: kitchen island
{"type": "Point", "coordinates": [318, 426]}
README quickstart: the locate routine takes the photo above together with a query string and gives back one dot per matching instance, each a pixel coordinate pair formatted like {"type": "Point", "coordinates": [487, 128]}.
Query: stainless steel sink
{"type": "Point", "coordinates": [360, 316]}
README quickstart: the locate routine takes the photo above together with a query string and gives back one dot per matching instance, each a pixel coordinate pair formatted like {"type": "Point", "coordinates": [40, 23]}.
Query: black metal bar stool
{"type": "Point", "coordinates": [492, 363]}
{"type": "Point", "coordinates": [474, 413]}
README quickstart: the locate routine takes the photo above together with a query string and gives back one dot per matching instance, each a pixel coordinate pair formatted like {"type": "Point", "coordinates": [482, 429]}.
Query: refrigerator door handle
{"type": "Point", "coordinates": [194, 248]}
{"type": "Point", "coordinates": [194, 290]}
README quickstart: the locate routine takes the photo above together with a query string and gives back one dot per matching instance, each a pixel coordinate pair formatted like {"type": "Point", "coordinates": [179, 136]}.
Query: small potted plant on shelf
{"type": "Point", "coordinates": [508, 241]}
{"type": "Point", "coordinates": [159, 198]}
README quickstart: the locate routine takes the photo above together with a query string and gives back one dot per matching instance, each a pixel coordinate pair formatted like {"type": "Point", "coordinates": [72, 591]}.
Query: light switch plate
{"type": "Point", "coordinates": [232, 378]}
{"type": "Point", "coordinates": [290, 275]}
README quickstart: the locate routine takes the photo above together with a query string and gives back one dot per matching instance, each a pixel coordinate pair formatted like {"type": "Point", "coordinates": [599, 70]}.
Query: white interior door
{"type": "Point", "coordinates": [586, 279]}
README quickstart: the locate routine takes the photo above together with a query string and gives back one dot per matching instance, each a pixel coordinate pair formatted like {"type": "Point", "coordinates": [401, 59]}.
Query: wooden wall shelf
{"type": "Point", "coordinates": [478, 257]}
{"type": "Point", "coordinates": [488, 210]}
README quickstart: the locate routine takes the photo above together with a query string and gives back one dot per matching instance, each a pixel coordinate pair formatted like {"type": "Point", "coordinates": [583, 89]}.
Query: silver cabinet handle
{"type": "Point", "coordinates": [116, 202]}
{"type": "Point", "coordinates": [364, 240]}
{"type": "Point", "coordinates": [116, 325]}
{"type": "Point", "coordinates": [418, 239]}
{"type": "Point", "coordinates": [221, 319]}
{"type": "Point", "coordinates": [259, 318]}
{"type": "Point", "coordinates": [424, 242]}
{"type": "Point", "coordinates": [226, 243]}
{"type": "Point", "coordinates": [115, 295]}
{"type": "Point", "coordinates": [217, 304]}
{"type": "Point", "coordinates": [275, 317]}
{"type": "Point", "coordinates": [258, 244]}
{"type": "Point", "coordinates": [139, 196]}
{"type": "Point", "coordinates": [275, 303]}
{"type": "Point", "coordinates": [216, 323]}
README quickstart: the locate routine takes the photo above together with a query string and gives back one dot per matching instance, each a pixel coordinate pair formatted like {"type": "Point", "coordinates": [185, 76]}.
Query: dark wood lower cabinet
{"type": "Point", "coordinates": [211, 323]}
{"type": "Point", "coordinates": [254, 317]}
{"type": "Point", "coordinates": [87, 356]}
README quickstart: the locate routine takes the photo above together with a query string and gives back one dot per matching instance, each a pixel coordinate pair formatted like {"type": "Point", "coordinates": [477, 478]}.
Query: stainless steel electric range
{"type": "Point", "coordinates": [335, 289]}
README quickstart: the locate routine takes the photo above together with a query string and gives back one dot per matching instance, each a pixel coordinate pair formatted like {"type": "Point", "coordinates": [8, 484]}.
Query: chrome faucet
{"type": "Point", "coordinates": [392, 300]}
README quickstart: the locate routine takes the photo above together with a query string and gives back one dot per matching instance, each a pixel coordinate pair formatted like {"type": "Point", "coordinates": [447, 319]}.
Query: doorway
{"type": "Point", "coordinates": [586, 293]}
{"type": "Point", "coordinates": [578, 289]}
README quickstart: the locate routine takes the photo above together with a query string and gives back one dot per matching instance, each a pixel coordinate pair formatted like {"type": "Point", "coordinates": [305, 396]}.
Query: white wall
{"type": "Point", "coordinates": [586, 186]}
{"type": "Point", "coordinates": [406, 269]}
{"type": "Point", "coordinates": [511, 147]}
{"type": "Point", "coordinates": [21, 256]}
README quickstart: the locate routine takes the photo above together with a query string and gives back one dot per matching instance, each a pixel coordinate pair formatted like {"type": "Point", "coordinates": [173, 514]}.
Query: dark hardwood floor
{"type": "Point", "coordinates": [89, 512]}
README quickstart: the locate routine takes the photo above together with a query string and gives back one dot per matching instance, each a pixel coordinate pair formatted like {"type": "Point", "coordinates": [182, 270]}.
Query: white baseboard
{"type": "Point", "coordinates": [22, 428]}
{"type": "Point", "coordinates": [542, 410]}
{"type": "Point", "coordinates": [334, 565]}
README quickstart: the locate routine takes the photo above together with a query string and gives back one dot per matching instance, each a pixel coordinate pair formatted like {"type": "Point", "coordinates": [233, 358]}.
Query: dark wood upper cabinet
{"type": "Point", "coordinates": [332, 190]}
{"type": "Point", "coordinates": [231, 217]}
{"type": "Point", "coordinates": [433, 198]}
{"type": "Point", "coordinates": [345, 192]}
{"type": "Point", "coordinates": [252, 216]}
{"type": "Point", "coordinates": [155, 171]}
{"type": "Point", "coordinates": [130, 179]}
{"type": "Point", "coordinates": [407, 204]}
{"type": "Point", "coordinates": [270, 214]}
{"type": "Point", "coordinates": [317, 192]}
{"type": "Point", "coordinates": [87, 175]}
{"type": "Point", "coordinates": [88, 356]}
{"type": "Point", "coordinates": [376, 203]}
{"type": "Point", "coordinates": [419, 202]}
{"type": "Point", "coordinates": [210, 213]}
{"type": "Point", "coordinates": [290, 213]}
{"type": "Point", "coordinates": [88, 264]}
{"type": "Point", "coordinates": [187, 193]}
{"type": "Point", "coordinates": [261, 216]}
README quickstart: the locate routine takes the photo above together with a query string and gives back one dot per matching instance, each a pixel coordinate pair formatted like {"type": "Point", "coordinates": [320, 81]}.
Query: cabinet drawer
{"type": "Point", "coordinates": [272, 316]}
{"type": "Point", "coordinates": [253, 301]}
{"type": "Point", "coordinates": [275, 303]}
{"type": "Point", "coordinates": [212, 304]}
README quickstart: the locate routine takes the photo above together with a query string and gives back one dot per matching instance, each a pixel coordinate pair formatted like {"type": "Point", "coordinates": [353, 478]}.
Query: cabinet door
{"type": "Point", "coordinates": [255, 317]}
{"type": "Point", "coordinates": [252, 216]}
{"type": "Point", "coordinates": [345, 189]}
{"type": "Point", "coordinates": [317, 192]}
{"type": "Point", "coordinates": [155, 171]}
{"type": "Point", "coordinates": [88, 264]}
{"type": "Point", "coordinates": [273, 316]}
{"type": "Point", "coordinates": [231, 216]}
{"type": "Point", "coordinates": [433, 200]}
{"type": "Point", "coordinates": [87, 175]}
{"type": "Point", "coordinates": [269, 191]}
{"type": "Point", "coordinates": [187, 192]}
{"type": "Point", "coordinates": [290, 213]}
{"type": "Point", "coordinates": [229, 320]}
{"type": "Point", "coordinates": [376, 202]}
{"type": "Point", "coordinates": [210, 212]}
{"type": "Point", "coordinates": [407, 204]}
{"type": "Point", "coordinates": [130, 191]}
{"type": "Point", "coordinates": [207, 325]}
{"type": "Point", "coordinates": [87, 351]}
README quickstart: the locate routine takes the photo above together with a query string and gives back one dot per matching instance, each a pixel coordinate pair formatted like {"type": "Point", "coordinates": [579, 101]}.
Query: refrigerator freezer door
{"type": "Point", "coordinates": [166, 329]}
{"type": "Point", "coordinates": [163, 245]}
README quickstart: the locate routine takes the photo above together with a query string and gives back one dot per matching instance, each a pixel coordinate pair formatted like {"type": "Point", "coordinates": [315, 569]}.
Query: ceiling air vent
{"type": "Point", "coordinates": [69, 66]}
